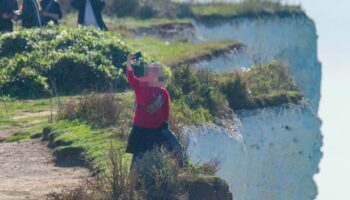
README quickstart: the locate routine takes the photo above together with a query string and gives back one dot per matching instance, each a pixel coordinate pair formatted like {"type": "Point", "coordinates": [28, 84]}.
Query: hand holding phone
{"type": "Point", "coordinates": [138, 55]}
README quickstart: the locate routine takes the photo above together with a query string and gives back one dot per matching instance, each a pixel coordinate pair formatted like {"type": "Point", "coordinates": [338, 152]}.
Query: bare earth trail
{"type": "Point", "coordinates": [27, 171]}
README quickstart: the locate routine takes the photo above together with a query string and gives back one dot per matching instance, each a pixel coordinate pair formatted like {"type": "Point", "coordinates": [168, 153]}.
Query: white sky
{"type": "Point", "coordinates": [333, 26]}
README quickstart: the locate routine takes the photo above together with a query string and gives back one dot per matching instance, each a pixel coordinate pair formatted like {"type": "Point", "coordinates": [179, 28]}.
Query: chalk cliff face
{"type": "Point", "coordinates": [273, 153]}
{"type": "Point", "coordinates": [292, 40]}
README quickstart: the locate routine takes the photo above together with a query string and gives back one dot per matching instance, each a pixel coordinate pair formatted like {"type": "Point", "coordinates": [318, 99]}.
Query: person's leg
{"type": "Point", "coordinates": [173, 145]}
{"type": "Point", "coordinates": [135, 158]}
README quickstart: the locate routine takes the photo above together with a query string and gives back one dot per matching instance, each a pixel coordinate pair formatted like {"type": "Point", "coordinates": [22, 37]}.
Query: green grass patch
{"type": "Point", "coordinates": [28, 132]}
{"type": "Point", "coordinates": [94, 143]}
{"type": "Point", "coordinates": [135, 23]}
{"type": "Point", "coordinates": [16, 107]}
{"type": "Point", "coordinates": [18, 136]}
{"type": "Point", "coordinates": [177, 53]}
{"type": "Point", "coordinates": [244, 9]}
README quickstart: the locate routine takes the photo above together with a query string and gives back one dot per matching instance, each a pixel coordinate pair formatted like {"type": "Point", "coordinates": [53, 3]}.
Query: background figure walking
{"type": "Point", "coordinates": [90, 12]}
{"type": "Point", "coordinates": [51, 11]}
{"type": "Point", "coordinates": [8, 10]}
{"type": "Point", "coordinates": [30, 14]}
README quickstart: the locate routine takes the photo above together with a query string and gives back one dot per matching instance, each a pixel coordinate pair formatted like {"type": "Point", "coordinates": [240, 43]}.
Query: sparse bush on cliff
{"type": "Point", "coordinates": [118, 182]}
{"type": "Point", "coordinates": [235, 90]}
{"type": "Point", "coordinates": [97, 109]}
{"type": "Point", "coordinates": [159, 176]}
{"type": "Point", "coordinates": [260, 86]}
{"type": "Point", "coordinates": [198, 89]}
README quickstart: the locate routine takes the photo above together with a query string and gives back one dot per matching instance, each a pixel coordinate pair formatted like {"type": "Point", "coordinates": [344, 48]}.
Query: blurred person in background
{"type": "Point", "coordinates": [8, 10]}
{"type": "Point", "coordinates": [51, 11]}
{"type": "Point", "coordinates": [90, 12]}
{"type": "Point", "coordinates": [30, 13]}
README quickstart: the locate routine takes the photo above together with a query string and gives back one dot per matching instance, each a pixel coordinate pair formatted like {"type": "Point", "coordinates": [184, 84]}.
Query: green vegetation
{"type": "Point", "coordinates": [79, 140]}
{"type": "Point", "coordinates": [248, 8]}
{"type": "Point", "coordinates": [36, 61]}
{"type": "Point", "coordinates": [62, 61]}
{"type": "Point", "coordinates": [147, 8]}
{"type": "Point", "coordinates": [260, 86]}
{"type": "Point", "coordinates": [177, 53]}
{"type": "Point", "coordinates": [199, 90]}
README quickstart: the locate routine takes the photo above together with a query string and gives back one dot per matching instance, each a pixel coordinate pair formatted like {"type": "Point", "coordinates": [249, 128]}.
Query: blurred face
{"type": "Point", "coordinates": [153, 76]}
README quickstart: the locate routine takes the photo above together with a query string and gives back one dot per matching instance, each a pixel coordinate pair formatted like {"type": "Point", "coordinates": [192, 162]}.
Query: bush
{"type": "Point", "coordinates": [73, 73]}
{"type": "Point", "coordinates": [268, 78]}
{"type": "Point", "coordinates": [158, 174]}
{"type": "Point", "coordinates": [198, 89]}
{"type": "Point", "coordinates": [118, 181]}
{"type": "Point", "coordinates": [71, 59]}
{"type": "Point", "coordinates": [236, 92]}
{"type": "Point", "coordinates": [260, 86]}
{"type": "Point", "coordinates": [98, 109]}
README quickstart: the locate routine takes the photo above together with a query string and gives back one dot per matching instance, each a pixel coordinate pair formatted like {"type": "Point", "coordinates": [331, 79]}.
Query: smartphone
{"type": "Point", "coordinates": [138, 55]}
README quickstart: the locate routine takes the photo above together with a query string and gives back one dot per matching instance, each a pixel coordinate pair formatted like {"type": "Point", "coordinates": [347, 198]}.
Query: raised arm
{"type": "Point", "coordinates": [132, 79]}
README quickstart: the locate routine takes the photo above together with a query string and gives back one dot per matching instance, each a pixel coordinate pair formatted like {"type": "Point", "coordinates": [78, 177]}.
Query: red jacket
{"type": "Point", "coordinates": [145, 95]}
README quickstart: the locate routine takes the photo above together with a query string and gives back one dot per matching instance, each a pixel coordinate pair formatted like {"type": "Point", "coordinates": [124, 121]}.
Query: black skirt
{"type": "Point", "coordinates": [144, 139]}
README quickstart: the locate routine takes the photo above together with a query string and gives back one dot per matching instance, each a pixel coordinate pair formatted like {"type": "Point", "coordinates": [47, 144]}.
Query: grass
{"type": "Point", "coordinates": [118, 24]}
{"type": "Point", "coordinates": [247, 9]}
{"type": "Point", "coordinates": [71, 136]}
{"type": "Point", "coordinates": [135, 23]}
{"type": "Point", "coordinates": [265, 85]}
{"type": "Point", "coordinates": [177, 53]}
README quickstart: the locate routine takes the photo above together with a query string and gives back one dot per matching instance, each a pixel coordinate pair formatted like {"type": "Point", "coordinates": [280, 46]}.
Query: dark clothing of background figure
{"type": "Point", "coordinates": [7, 6]}
{"type": "Point", "coordinates": [50, 6]}
{"type": "Point", "coordinates": [97, 7]}
{"type": "Point", "coordinates": [30, 14]}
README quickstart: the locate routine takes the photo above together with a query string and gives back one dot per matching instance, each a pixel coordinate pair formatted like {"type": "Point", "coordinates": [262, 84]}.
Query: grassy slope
{"type": "Point", "coordinates": [116, 24]}
{"type": "Point", "coordinates": [234, 10]}
{"type": "Point", "coordinates": [68, 134]}
{"type": "Point", "coordinates": [77, 135]}
{"type": "Point", "coordinates": [175, 53]}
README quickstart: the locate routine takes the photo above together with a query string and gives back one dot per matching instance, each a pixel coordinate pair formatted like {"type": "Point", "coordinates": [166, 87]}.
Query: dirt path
{"type": "Point", "coordinates": [27, 171]}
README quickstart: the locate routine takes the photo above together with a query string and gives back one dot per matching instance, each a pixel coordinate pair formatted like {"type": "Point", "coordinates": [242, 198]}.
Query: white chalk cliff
{"type": "Point", "coordinates": [273, 153]}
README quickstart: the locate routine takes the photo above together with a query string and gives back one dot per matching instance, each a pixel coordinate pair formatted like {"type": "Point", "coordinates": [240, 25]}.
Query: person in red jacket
{"type": "Point", "coordinates": [150, 124]}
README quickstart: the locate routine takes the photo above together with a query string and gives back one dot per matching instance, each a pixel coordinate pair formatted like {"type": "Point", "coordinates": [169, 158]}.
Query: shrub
{"type": "Point", "coordinates": [198, 89]}
{"type": "Point", "coordinates": [260, 86]}
{"type": "Point", "coordinates": [210, 89]}
{"type": "Point", "coordinates": [208, 168]}
{"type": "Point", "coordinates": [73, 73]}
{"type": "Point", "coordinates": [115, 183]}
{"type": "Point", "coordinates": [236, 92]}
{"type": "Point", "coordinates": [71, 59]}
{"type": "Point", "coordinates": [268, 78]}
{"type": "Point", "coordinates": [118, 182]}
{"type": "Point", "coordinates": [158, 174]}
{"type": "Point", "coordinates": [97, 109]}
{"type": "Point", "coordinates": [11, 44]}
